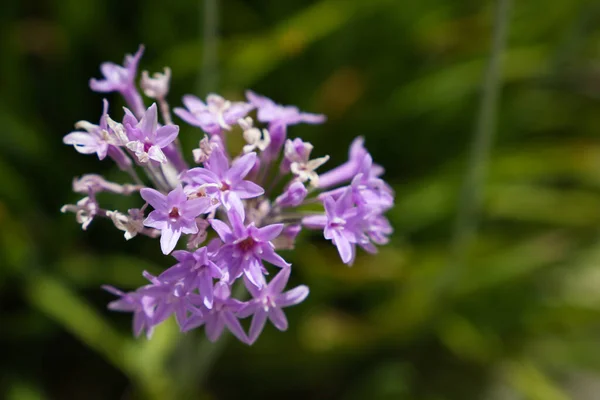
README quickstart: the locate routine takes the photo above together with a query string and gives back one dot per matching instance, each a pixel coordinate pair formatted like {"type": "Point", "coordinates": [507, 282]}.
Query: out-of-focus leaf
{"type": "Point", "coordinates": [532, 383]}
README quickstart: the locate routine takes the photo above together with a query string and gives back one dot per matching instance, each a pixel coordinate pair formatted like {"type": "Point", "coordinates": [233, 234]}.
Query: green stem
{"type": "Point", "coordinates": [471, 199]}
{"type": "Point", "coordinates": [209, 75]}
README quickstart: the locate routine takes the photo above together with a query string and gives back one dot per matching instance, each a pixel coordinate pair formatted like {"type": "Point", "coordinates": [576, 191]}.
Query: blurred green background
{"type": "Point", "coordinates": [517, 317]}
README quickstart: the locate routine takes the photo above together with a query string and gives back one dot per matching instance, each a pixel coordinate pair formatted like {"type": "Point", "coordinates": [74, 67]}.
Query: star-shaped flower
{"type": "Point", "coordinates": [269, 301]}
{"type": "Point", "coordinates": [173, 215]}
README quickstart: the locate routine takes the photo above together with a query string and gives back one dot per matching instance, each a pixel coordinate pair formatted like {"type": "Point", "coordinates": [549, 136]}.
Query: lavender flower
{"type": "Point", "coordinates": [146, 139]}
{"type": "Point", "coordinates": [269, 111]}
{"type": "Point", "coordinates": [349, 169]}
{"type": "Point", "coordinates": [340, 225]}
{"type": "Point", "coordinates": [233, 194]}
{"type": "Point", "coordinates": [293, 195]}
{"type": "Point", "coordinates": [213, 117]}
{"type": "Point", "coordinates": [141, 305]}
{"type": "Point", "coordinates": [269, 301]}
{"type": "Point", "coordinates": [246, 246]}
{"type": "Point", "coordinates": [219, 179]}
{"type": "Point", "coordinates": [194, 271]}
{"type": "Point", "coordinates": [221, 315]}
{"type": "Point", "coordinates": [121, 79]}
{"type": "Point", "coordinates": [173, 214]}
{"type": "Point", "coordinates": [100, 139]}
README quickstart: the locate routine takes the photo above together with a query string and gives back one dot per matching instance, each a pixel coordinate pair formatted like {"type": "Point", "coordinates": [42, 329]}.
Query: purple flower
{"type": "Point", "coordinates": [368, 191]}
{"type": "Point", "coordinates": [146, 138]}
{"type": "Point", "coordinates": [245, 246]}
{"type": "Point", "coordinates": [141, 305]}
{"type": "Point", "coordinates": [341, 225]}
{"type": "Point", "coordinates": [273, 113]}
{"type": "Point", "coordinates": [293, 195]}
{"type": "Point", "coordinates": [99, 139]}
{"type": "Point", "coordinates": [221, 315]}
{"type": "Point", "coordinates": [269, 301]}
{"type": "Point", "coordinates": [350, 168]}
{"type": "Point", "coordinates": [213, 117]}
{"type": "Point", "coordinates": [218, 179]}
{"type": "Point", "coordinates": [195, 271]}
{"type": "Point", "coordinates": [173, 214]}
{"type": "Point", "coordinates": [169, 298]}
{"type": "Point", "coordinates": [121, 79]}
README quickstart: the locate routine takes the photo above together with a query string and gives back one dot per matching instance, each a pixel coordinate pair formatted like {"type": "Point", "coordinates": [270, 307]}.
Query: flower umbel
{"type": "Point", "coordinates": [246, 205]}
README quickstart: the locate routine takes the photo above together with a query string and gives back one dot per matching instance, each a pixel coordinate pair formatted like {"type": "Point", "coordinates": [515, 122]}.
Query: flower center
{"type": "Point", "coordinates": [225, 186]}
{"type": "Point", "coordinates": [147, 146]}
{"type": "Point", "coordinates": [174, 213]}
{"type": "Point", "coordinates": [247, 244]}
{"type": "Point", "coordinates": [268, 303]}
{"type": "Point", "coordinates": [337, 223]}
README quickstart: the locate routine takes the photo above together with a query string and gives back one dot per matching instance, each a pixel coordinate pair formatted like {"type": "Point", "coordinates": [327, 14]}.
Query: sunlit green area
{"type": "Point", "coordinates": [515, 316]}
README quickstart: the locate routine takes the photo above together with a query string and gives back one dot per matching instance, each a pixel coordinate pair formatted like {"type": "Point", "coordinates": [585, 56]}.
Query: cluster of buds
{"type": "Point", "coordinates": [225, 202]}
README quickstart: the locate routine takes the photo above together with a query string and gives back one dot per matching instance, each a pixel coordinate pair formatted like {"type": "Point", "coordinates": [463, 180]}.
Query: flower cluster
{"type": "Point", "coordinates": [224, 206]}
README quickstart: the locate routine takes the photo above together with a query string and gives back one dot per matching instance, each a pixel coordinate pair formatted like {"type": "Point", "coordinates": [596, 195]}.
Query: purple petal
{"type": "Point", "coordinates": [201, 176]}
{"type": "Point", "coordinates": [205, 287]}
{"type": "Point", "coordinates": [156, 219]}
{"type": "Point", "coordinates": [278, 318]}
{"type": "Point", "coordinates": [278, 283]}
{"type": "Point", "coordinates": [254, 291]}
{"type": "Point", "coordinates": [138, 323]}
{"type": "Point", "coordinates": [234, 326]}
{"type": "Point", "coordinates": [180, 315]}
{"type": "Point", "coordinates": [213, 327]}
{"type": "Point", "coordinates": [269, 232]}
{"type": "Point", "coordinates": [247, 189]}
{"type": "Point", "coordinates": [249, 308]}
{"type": "Point", "coordinates": [156, 154]}
{"type": "Point", "coordinates": [315, 221]}
{"type": "Point", "coordinates": [253, 271]}
{"type": "Point", "coordinates": [258, 100]}
{"type": "Point", "coordinates": [113, 290]}
{"type": "Point", "coordinates": [169, 238]}
{"type": "Point", "coordinates": [345, 248]}
{"type": "Point", "coordinates": [312, 118]}
{"type": "Point", "coordinates": [187, 117]}
{"type": "Point", "coordinates": [188, 226]}
{"type": "Point", "coordinates": [176, 197]}
{"type": "Point", "coordinates": [193, 103]}
{"type": "Point", "coordinates": [257, 325]}
{"type": "Point", "coordinates": [270, 256]}
{"type": "Point", "coordinates": [102, 86]}
{"type": "Point", "coordinates": [174, 273]}
{"type": "Point", "coordinates": [240, 168]}
{"type": "Point", "coordinates": [149, 122]}
{"type": "Point", "coordinates": [166, 134]}
{"type": "Point", "coordinates": [236, 111]}
{"type": "Point", "coordinates": [236, 214]}
{"type": "Point", "coordinates": [155, 198]}
{"type": "Point", "coordinates": [292, 297]}
{"type": "Point", "coordinates": [193, 208]}
{"type": "Point", "coordinates": [222, 230]}
{"type": "Point", "coordinates": [330, 208]}
{"type": "Point", "coordinates": [222, 291]}
{"type": "Point", "coordinates": [193, 322]}
{"type": "Point", "coordinates": [163, 311]}
{"type": "Point", "coordinates": [218, 163]}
